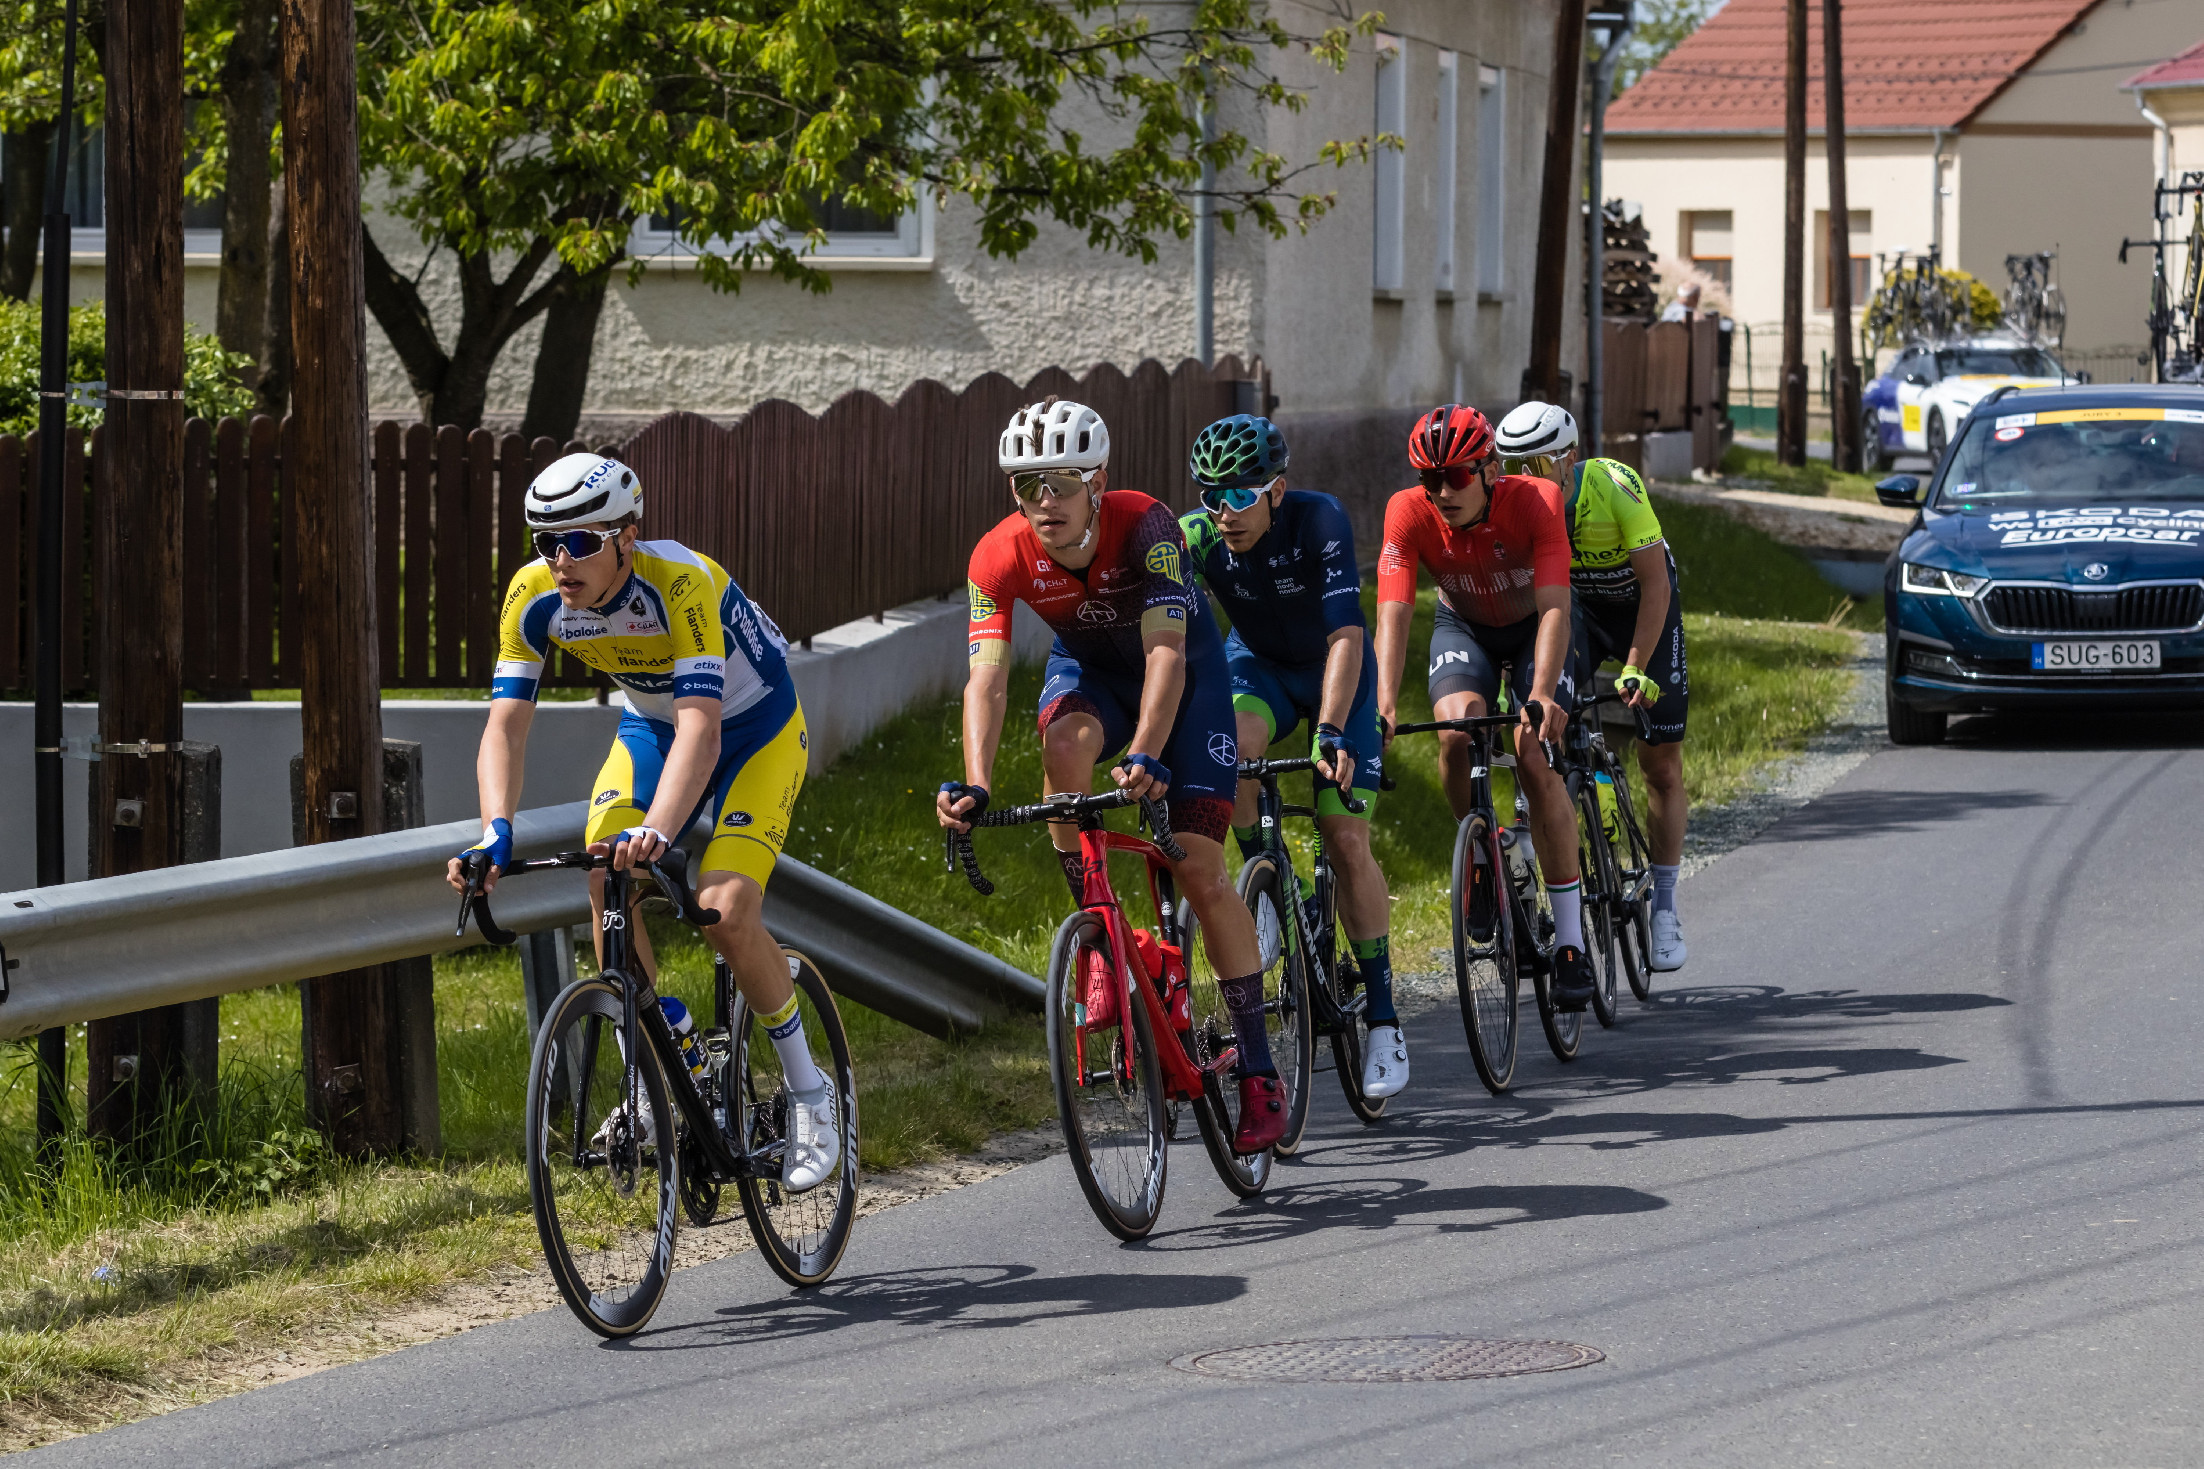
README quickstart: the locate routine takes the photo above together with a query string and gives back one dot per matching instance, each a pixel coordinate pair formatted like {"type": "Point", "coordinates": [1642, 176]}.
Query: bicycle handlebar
{"type": "Point", "coordinates": [1257, 769]}
{"type": "Point", "coordinates": [957, 845]}
{"type": "Point", "coordinates": [670, 870]}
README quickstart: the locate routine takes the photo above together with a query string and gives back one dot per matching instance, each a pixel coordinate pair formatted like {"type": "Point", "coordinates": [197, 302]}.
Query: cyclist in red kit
{"type": "Point", "coordinates": [1498, 547]}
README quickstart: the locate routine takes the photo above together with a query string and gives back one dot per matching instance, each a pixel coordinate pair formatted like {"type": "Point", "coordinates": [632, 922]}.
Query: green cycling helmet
{"type": "Point", "coordinates": [1240, 452]}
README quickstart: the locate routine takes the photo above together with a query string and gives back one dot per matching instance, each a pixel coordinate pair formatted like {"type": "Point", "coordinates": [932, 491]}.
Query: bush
{"type": "Point", "coordinates": [211, 385]}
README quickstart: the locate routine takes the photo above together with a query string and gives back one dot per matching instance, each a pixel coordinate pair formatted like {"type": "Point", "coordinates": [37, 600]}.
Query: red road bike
{"type": "Point", "coordinates": [1119, 1092]}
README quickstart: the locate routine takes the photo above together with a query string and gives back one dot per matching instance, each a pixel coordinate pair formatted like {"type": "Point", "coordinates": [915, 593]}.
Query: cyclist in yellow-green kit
{"type": "Point", "coordinates": [712, 725]}
{"type": "Point", "coordinates": [1628, 609]}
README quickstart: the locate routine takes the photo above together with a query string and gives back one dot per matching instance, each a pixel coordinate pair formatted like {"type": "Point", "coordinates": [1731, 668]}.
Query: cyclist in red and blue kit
{"type": "Point", "coordinates": [1137, 666]}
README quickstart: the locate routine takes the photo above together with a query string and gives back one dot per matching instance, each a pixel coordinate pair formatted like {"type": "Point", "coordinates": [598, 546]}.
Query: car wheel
{"type": "Point", "coordinates": [1908, 725]}
{"type": "Point", "coordinates": [1872, 452]}
{"type": "Point", "coordinates": [1936, 438]}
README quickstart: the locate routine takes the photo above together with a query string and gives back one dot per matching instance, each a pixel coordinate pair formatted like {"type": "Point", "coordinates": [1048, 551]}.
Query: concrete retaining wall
{"type": "Point", "coordinates": [851, 680]}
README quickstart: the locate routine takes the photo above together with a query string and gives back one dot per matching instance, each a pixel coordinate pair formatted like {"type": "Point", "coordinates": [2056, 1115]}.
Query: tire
{"type": "Point", "coordinates": [1634, 926]}
{"type": "Point", "coordinates": [1112, 1114]}
{"type": "Point", "coordinates": [1484, 952]}
{"type": "Point", "coordinates": [1872, 452]}
{"type": "Point", "coordinates": [1339, 972]}
{"type": "Point", "coordinates": [1290, 1025]}
{"type": "Point", "coordinates": [802, 1236]}
{"type": "Point", "coordinates": [1908, 725]}
{"type": "Point", "coordinates": [1602, 896]}
{"type": "Point", "coordinates": [1937, 439]}
{"type": "Point", "coordinates": [1564, 1028]}
{"type": "Point", "coordinates": [607, 1221]}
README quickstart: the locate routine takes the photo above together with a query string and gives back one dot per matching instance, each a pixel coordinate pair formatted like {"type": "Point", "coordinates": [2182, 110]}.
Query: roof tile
{"type": "Point", "coordinates": [2187, 67]}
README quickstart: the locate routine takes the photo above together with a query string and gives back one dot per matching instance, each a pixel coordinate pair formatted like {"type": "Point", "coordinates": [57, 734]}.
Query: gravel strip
{"type": "Point", "coordinates": [1787, 784]}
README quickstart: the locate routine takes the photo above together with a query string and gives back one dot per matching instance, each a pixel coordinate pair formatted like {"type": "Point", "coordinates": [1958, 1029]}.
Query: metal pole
{"type": "Point", "coordinates": [53, 433]}
{"type": "Point", "coordinates": [1595, 235]}
{"type": "Point", "coordinates": [1846, 436]}
{"type": "Point", "coordinates": [1205, 244]}
{"type": "Point", "coordinates": [1790, 402]}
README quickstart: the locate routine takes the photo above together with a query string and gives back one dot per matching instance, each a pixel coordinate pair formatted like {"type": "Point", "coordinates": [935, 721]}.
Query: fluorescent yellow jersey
{"type": "Point", "coordinates": [1610, 515]}
{"type": "Point", "coordinates": [678, 628]}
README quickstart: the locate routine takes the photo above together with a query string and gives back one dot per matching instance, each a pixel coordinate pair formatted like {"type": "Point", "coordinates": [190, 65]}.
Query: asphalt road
{"type": "Point", "coordinates": [1905, 1168]}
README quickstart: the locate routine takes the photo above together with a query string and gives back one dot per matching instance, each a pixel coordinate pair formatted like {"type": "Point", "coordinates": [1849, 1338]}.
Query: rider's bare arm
{"type": "Point", "coordinates": [498, 767]}
{"type": "Point", "coordinates": [1342, 678]}
{"type": "Point", "coordinates": [1393, 620]}
{"type": "Point", "coordinates": [986, 698]}
{"type": "Point", "coordinates": [1552, 653]}
{"type": "Point", "coordinates": [1651, 565]}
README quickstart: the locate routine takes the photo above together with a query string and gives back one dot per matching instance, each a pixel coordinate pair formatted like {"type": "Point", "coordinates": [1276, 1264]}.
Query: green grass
{"type": "Point", "coordinates": [1814, 477]}
{"type": "Point", "coordinates": [1726, 567]}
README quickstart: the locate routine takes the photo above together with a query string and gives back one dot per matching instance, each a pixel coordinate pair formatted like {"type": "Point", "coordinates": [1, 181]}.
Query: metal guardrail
{"type": "Point", "coordinates": [86, 950]}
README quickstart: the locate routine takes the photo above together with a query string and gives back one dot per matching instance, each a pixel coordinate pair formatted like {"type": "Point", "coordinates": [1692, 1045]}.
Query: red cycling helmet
{"type": "Point", "coordinates": [1449, 436]}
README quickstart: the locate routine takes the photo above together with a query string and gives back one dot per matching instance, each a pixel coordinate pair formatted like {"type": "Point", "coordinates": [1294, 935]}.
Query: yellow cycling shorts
{"type": "Point", "coordinates": [751, 794]}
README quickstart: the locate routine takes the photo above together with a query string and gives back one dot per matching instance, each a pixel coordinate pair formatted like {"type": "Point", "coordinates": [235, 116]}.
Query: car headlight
{"type": "Point", "coordinates": [1937, 582]}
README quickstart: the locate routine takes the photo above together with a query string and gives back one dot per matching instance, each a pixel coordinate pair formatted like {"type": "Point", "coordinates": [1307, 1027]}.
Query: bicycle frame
{"type": "Point", "coordinates": [1482, 731]}
{"type": "Point", "coordinates": [1329, 1016]}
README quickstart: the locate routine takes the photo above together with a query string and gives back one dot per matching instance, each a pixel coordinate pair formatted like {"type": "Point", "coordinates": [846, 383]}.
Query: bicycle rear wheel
{"type": "Point", "coordinates": [1601, 895]}
{"type": "Point", "coordinates": [1216, 1114]}
{"type": "Point", "coordinates": [1336, 971]}
{"type": "Point", "coordinates": [801, 1235]}
{"type": "Point", "coordinates": [1109, 1087]}
{"type": "Point", "coordinates": [1286, 1019]}
{"type": "Point", "coordinates": [603, 1175]}
{"type": "Point", "coordinates": [1484, 952]}
{"type": "Point", "coordinates": [1564, 1028]}
{"type": "Point", "coordinates": [1633, 919]}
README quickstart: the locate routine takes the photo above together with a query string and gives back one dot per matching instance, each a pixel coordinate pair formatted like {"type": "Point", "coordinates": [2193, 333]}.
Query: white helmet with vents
{"type": "Point", "coordinates": [1054, 434]}
{"type": "Point", "coordinates": [583, 489]}
{"type": "Point", "coordinates": [1536, 428]}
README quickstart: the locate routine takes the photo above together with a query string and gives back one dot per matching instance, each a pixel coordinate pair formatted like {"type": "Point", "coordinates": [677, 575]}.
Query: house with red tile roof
{"type": "Point", "coordinates": [1983, 127]}
{"type": "Point", "coordinates": [2171, 95]}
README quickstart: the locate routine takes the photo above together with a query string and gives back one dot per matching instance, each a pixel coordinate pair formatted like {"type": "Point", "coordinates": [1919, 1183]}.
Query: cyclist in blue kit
{"type": "Point", "coordinates": [1281, 564]}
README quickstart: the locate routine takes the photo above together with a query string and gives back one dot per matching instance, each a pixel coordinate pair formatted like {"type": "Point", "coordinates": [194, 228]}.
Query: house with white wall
{"type": "Point", "coordinates": [2171, 96]}
{"type": "Point", "coordinates": [1981, 127]}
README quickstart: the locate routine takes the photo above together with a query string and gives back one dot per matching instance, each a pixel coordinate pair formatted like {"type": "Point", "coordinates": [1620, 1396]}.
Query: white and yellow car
{"type": "Point", "coordinates": [1918, 404]}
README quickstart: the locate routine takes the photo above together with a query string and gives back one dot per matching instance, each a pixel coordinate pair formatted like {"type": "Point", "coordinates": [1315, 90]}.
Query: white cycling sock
{"type": "Point", "coordinates": [786, 1027]}
{"type": "Point", "coordinates": [1664, 887]}
{"type": "Point", "coordinates": [1568, 901]}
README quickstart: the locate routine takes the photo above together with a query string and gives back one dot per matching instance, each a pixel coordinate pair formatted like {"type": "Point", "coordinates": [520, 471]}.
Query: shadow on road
{"type": "Point", "coordinates": [951, 1297]}
{"type": "Point", "coordinates": [1293, 1208]}
{"type": "Point", "coordinates": [2068, 730]}
{"type": "Point", "coordinates": [1843, 814]}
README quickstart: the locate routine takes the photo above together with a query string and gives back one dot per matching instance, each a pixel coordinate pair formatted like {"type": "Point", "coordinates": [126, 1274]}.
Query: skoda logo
{"type": "Point", "coordinates": [2096, 571]}
{"type": "Point", "coordinates": [1222, 750]}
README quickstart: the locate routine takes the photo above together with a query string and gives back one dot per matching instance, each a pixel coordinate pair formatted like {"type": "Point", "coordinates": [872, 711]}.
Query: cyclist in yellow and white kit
{"type": "Point", "coordinates": [712, 724]}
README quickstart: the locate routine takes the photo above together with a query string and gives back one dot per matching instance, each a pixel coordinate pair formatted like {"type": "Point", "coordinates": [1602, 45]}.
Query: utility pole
{"type": "Point", "coordinates": [138, 1068]}
{"type": "Point", "coordinates": [53, 432]}
{"type": "Point", "coordinates": [1845, 429]}
{"type": "Point", "coordinates": [351, 1069]}
{"type": "Point", "coordinates": [1790, 401]}
{"type": "Point", "coordinates": [1614, 25]}
{"type": "Point", "coordinates": [1557, 196]}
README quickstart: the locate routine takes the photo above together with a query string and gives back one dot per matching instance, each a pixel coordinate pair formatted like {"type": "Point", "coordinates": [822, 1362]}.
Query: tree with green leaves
{"type": "Point", "coordinates": [1660, 26]}
{"type": "Point", "coordinates": [524, 140]}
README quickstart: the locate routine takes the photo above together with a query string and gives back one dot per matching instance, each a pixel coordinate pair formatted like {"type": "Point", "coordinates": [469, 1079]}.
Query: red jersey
{"type": "Point", "coordinates": [1138, 582]}
{"type": "Point", "coordinates": [1488, 572]}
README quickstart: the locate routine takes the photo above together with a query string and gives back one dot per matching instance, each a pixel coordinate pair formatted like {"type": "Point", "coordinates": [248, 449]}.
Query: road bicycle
{"type": "Point", "coordinates": [1502, 918]}
{"type": "Point", "coordinates": [606, 1190]}
{"type": "Point", "coordinates": [1273, 888]}
{"type": "Point", "coordinates": [1119, 1090]}
{"type": "Point", "coordinates": [2034, 305]}
{"type": "Point", "coordinates": [1614, 857]}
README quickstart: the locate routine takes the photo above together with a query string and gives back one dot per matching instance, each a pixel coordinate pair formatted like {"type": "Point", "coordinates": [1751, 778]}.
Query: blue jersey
{"type": "Point", "coordinates": [1293, 588]}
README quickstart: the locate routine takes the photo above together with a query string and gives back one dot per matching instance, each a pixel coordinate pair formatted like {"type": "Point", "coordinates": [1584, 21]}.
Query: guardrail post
{"type": "Point", "coordinates": [546, 968]}
{"type": "Point", "coordinates": [144, 1066]}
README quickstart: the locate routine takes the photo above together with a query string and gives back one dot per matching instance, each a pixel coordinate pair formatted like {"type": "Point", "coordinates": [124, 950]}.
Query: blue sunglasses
{"type": "Point", "coordinates": [1217, 500]}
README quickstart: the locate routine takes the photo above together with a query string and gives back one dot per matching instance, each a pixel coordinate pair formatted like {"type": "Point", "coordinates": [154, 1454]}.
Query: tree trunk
{"type": "Point", "coordinates": [275, 353]}
{"type": "Point", "coordinates": [1790, 403]}
{"type": "Point", "coordinates": [562, 358]}
{"type": "Point", "coordinates": [453, 386]}
{"type": "Point", "coordinates": [248, 113]}
{"type": "Point", "coordinates": [1845, 430]}
{"type": "Point", "coordinates": [1557, 203]}
{"type": "Point", "coordinates": [28, 151]}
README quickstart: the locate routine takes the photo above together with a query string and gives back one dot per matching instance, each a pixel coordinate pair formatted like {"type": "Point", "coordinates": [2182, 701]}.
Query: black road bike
{"type": "Point", "coordinates": [608, 1086]}
{"type": "Point", "coordinates": [1617, 861]}
{"type": "Point", "coordinates": [1307, 930]}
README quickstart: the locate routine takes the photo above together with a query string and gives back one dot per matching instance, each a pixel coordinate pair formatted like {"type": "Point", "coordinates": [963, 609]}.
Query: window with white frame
{"type": "Point", "coordinates": [852, 233]}
{"type": "Point", "coordinates": [84, 195]}
{"type": "Point", "coordinates": [1389, 213]}
{"type": "Point", "coordinates": [1450, 72]}
{"type": "Point", "coordinates": [1492, 154]}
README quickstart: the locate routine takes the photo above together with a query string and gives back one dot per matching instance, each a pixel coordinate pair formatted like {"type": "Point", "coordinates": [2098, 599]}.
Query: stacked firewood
{"type": "Point", "coordinates": [1628, 284]}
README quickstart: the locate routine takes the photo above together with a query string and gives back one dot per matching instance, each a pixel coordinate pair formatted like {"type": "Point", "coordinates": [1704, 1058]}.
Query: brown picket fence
{"type": "Point", "coordinates": [822, 518]}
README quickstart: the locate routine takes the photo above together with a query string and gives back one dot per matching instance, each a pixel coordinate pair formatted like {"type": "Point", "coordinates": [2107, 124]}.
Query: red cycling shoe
{"type": "Point", "coordinates": [1262, 1114]}
{"type": "Point", "coordinates": [1102, 990]}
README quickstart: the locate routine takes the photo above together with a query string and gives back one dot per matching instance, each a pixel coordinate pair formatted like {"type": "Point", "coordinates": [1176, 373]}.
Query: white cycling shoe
{"type": "Point", "coordinates": [1668, 942]}
{"type": "Point", "coordinates": [814, 1143]}
{"type": "Point", "coordinates": [1384, 1062]}
{"type": "Point", "coordinates": [617, 1118]}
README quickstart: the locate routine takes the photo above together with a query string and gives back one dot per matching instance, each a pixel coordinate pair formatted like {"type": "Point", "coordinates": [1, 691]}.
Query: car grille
{"type": "Point", "coordinates": [2068, 609]}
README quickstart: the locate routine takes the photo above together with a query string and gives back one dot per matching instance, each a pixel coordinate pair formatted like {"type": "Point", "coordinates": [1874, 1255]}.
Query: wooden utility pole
{"type": "Point", "coordinates": [1790, 401]}
{"type": "Point", "coordinates": [1845, 429]}
{"type": "Point", "coordinates": [1557, 203]}
{"type": "Point", "coordinates": [351, 1086]}
{"type": "Point", "coordinates": [138, 1064]}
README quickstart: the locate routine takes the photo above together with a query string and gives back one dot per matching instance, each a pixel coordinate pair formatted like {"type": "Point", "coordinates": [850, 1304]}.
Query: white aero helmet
{"type": "Point", "coordinates": [583, 489]}
{"type": "Point", "coordinates": [1054, 434]}
{"type": "Point", "coordinates": [1536, 428]}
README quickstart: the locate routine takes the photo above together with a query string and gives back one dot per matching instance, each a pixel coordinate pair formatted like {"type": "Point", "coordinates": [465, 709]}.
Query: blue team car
{"type": "Point", "coordinates": [1914, 407]}
{"type": "Point", "coordinates": [2058, 561]}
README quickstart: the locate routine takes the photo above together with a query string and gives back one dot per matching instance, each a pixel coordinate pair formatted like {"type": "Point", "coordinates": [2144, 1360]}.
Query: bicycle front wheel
{"type": "Point", "coordinates": [1337, 972]}
{"type": "Point", "coordinates": [1633, 919]}
{"type": "Point", "coordinates": [801, 1235]}
{"type": "Point", "coordinates": [1601, 895]}
{"type": "Point", "coordinates": [1484, 952]}
{"type": "Point", "coordinates": [1534, 911]}
{"type": "Point", "coordinates": [1109, 1086]}
{"type": "Point", "coordinates": [1286, 1020]}
{"type": "Point", "coordinates": [602, 1169]}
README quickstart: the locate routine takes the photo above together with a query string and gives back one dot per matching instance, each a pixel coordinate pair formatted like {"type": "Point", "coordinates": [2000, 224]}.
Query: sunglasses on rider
{"type": "Point", "coordinates": [1217, 499]}
{"type": "Point", "coordinates": [1540, 465]}
{"type": "Point", "coordinates": [579, 545]}
{"type": "Point", "coordinates": [1057, 484]}
{"type": "Point", "coordinates": [1453, 477]}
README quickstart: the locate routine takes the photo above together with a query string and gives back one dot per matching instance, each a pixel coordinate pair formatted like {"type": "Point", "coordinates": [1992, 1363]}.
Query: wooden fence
{"type": "Point", "coordinates": [821, 519]}
{"type": "Point", "coordinates": [1661, 378]}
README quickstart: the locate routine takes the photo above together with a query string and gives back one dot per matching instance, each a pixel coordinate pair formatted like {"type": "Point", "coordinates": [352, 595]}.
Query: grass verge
{"type": "Point", "coordinates": [1814, 477]}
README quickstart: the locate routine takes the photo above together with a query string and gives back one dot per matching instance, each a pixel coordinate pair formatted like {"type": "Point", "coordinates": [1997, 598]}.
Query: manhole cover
{"type": "Point", "coordinates": [1389, 1359]}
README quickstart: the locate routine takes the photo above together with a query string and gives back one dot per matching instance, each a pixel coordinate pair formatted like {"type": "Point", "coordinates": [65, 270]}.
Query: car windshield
{"type": "Point", "coordinates": [1996, 362]}
{"type": "Point", "coordinates": [2077, 456]}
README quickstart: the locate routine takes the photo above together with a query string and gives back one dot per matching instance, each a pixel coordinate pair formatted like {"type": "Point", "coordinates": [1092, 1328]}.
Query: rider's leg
{"type": "Point", "coordinates": [1663, 769]}
{"type": "Point", "coordinates": [1071, 746]}
{"type": "Point", "coordinates": [1456, 751]}
{"type": "Point", "coordinates": [1253, 729]}
{"type": "Point", "coordinates": [1228, 934]}
{"type": "Point", "coordinates": [1365, 908]}
{"type": "Point", "coordinates": [760, 971]}
{"type": "Point", "coordinates": [638, 935]}
{"type": "Point", "coordinates": [1553, 830]}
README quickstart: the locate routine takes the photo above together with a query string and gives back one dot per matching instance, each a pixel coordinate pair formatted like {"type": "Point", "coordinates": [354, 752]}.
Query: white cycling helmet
{"type": "Point", "coordinates": [583, 489]}
{"type": "Point", "coordinates": [1054, 434]}
{"type": "Point", "coordinates": [1536, 428]}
